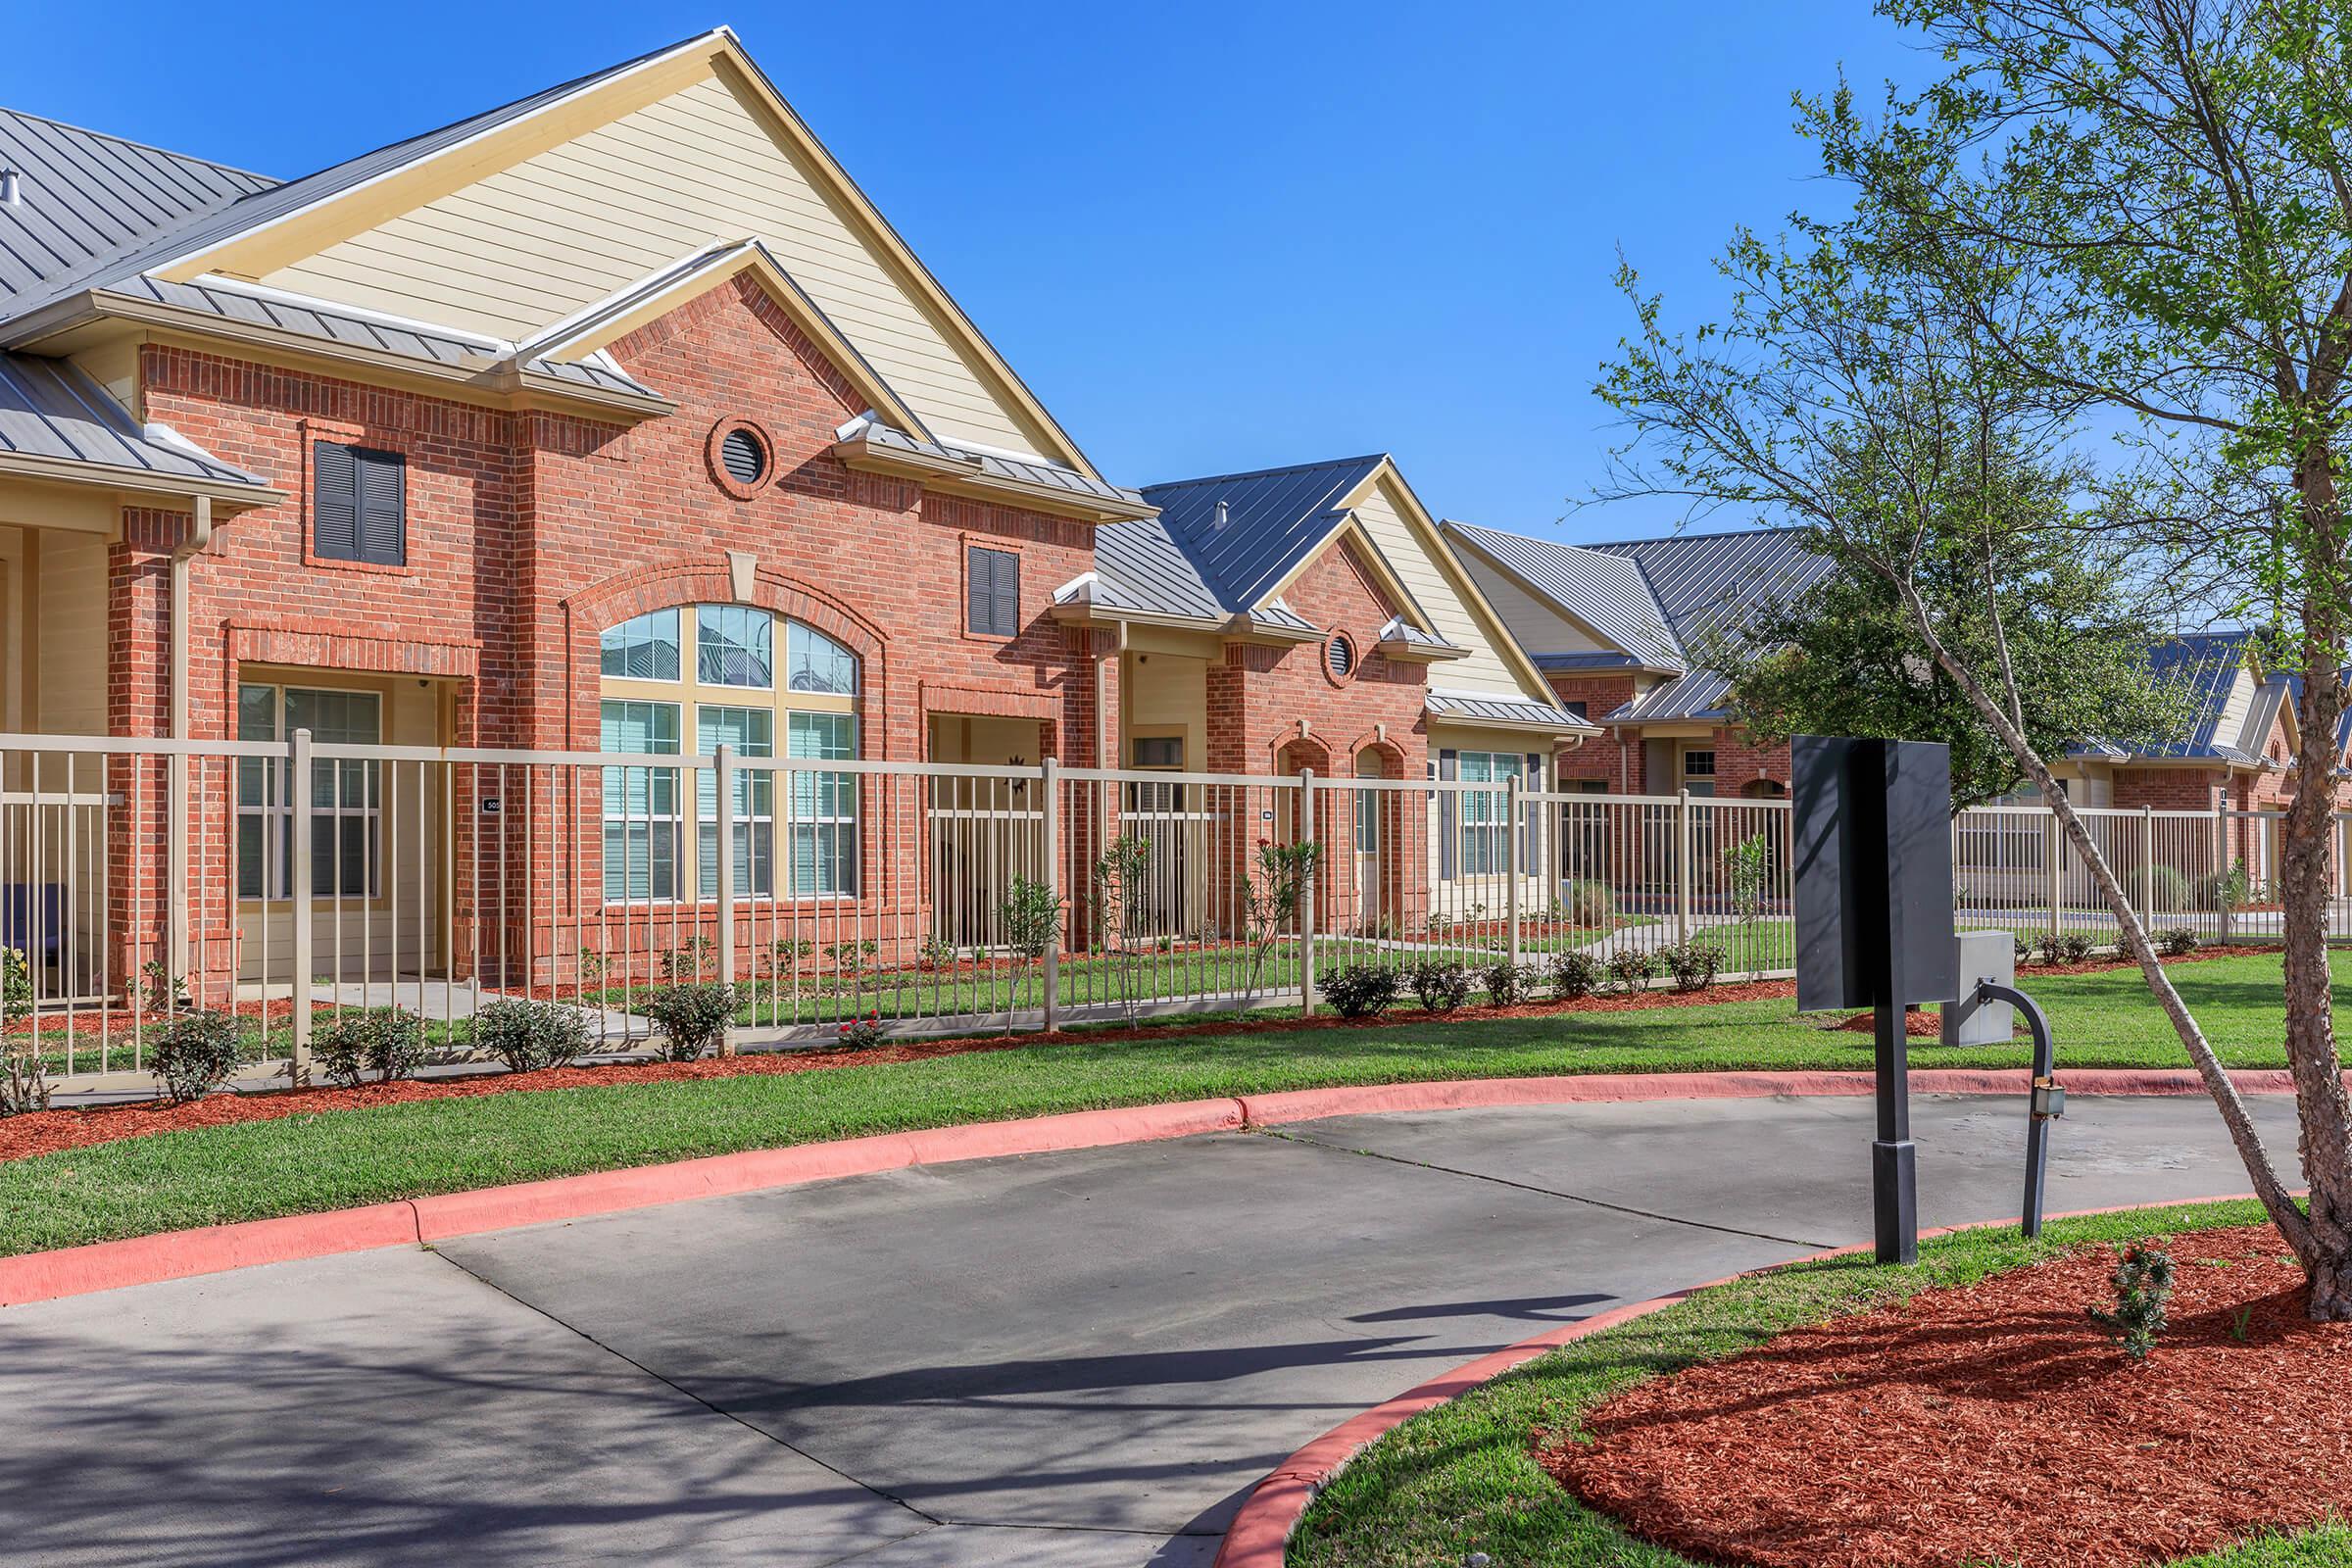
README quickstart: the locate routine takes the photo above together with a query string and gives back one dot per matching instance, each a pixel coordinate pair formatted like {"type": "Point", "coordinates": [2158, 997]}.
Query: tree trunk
{"type": "Point", "coordinates": [2305, 885]}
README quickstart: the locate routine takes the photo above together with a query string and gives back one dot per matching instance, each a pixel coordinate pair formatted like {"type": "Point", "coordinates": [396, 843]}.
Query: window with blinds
{"type": "Point", "coordinates": [992, 590]}
{"type": "Point", "coordinates": [358, 505]}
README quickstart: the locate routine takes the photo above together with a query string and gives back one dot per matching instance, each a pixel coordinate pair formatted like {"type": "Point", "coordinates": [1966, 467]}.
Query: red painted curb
{"type": "Point", "coordinates": [180, 1254]}
{"type": "Point", "coordinates": [1260, 1534]}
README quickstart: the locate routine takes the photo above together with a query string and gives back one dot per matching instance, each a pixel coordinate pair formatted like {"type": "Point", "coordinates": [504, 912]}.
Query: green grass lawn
{"type": "Point", "coordinates": [337, 1159]}
{"type": "Point", "coordinates": [1461, 1477]}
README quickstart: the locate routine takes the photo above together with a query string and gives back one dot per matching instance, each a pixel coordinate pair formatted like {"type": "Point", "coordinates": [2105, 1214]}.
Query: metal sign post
{"type": "Point", "coordinates": [1873, 846]}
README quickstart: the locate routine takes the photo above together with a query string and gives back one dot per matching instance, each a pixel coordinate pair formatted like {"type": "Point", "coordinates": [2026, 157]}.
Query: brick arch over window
{"type": "Point", "coordinates": [1390, 755]}
{"type": "Point", "coordinates": [677, 585]}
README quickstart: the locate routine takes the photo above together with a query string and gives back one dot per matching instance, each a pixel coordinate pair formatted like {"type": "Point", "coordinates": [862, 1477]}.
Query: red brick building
{"type": "Point", "coordinates": [616, 419]}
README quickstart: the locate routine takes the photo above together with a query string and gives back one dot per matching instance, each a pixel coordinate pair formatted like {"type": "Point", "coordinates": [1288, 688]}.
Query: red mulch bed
{"type": "Point", "coordinates": [1994, 1424]}
{"type": "Point", "coordinates": [1919, 1025]}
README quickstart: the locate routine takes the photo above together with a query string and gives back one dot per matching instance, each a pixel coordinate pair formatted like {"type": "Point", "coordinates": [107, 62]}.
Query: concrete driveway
{"type": "Point", "coordinates": [1077, 1361]}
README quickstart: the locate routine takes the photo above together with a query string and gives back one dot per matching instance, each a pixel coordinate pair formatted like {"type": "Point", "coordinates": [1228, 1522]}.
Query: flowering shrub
{"type": "Point", "coordinates": [1441, 984]}
{"type": "Point", "coordinates": [527, 1036]}
{"type": "Point", "coordinates": [859, 1033]}
{"type": "Point", "coordinates": [1361, 990]}
{"type": "Point", "coordinates": [692, 1019]}
{"type": "Point", "coordinates": [2142, 1281]}
{"type": "Point", "coordinates": [193, 1054]}
{"type": "Point", "coordinates": [390, 1044]}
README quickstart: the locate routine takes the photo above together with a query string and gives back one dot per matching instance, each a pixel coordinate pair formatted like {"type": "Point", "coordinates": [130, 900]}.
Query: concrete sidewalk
{"type": "Point", "coordinates": [1076, 1360]}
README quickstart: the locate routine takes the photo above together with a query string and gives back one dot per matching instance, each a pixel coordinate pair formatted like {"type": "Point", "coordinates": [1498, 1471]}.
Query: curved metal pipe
{"type": "Point", "coordinates": [2038, 1122]}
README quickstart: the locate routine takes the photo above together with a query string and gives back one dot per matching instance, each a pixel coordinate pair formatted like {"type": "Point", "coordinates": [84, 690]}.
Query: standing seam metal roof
{"type": "Point", "coordinates": [1605, 592]}
{"type": "Point", "coordinates": [88, 197]}
{"type": "Point", "coordinates": [52, 409]}
{"type": "Point", "coordinates": [1274, 518]}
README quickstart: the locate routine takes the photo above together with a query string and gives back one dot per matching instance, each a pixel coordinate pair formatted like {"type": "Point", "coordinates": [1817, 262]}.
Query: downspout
{"type": "Point", "coordinates": [175, 853]}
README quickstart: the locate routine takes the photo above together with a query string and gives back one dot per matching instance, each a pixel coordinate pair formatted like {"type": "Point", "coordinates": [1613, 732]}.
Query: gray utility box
{"type": "Point", "coordinates": [1983, 955]}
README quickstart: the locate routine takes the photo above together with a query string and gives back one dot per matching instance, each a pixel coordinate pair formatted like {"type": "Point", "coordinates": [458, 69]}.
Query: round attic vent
{"type": "Point", "coordinates": [1339, 656]}
{"type": "Point", "coordinates": [745, 458]}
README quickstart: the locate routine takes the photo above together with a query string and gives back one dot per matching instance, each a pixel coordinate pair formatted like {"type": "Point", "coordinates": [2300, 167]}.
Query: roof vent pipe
{"type": "Point", "coordinates": [10, 193]}
{"type": "Point", "coordinates": [1219, 524]}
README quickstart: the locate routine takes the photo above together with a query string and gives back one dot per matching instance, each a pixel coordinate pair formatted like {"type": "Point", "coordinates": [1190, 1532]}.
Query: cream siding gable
{"type": "Point", "coordinates": [533, 243]}
{"type": "Point", "coordinates": [1485, 671]}
{"type": "Point", "coordinates": [1539, 628]}
{"type": "Point", "coordinates": [2227, 729]}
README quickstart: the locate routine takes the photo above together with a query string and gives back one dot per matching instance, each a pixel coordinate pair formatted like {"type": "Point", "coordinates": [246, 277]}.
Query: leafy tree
{"type": "Point", "coordinates": [2144, 210]}
{"type": "Point", "coordinates": [2133, 216]}
{"type": "Point", "coordinates": [1841, 656]}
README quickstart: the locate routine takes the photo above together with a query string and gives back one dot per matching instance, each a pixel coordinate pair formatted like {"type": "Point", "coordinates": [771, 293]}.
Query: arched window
{"type": "Point", "coordinates": [658, 702]}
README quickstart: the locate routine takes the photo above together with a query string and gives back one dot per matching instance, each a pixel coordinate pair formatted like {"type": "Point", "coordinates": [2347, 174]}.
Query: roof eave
{"type": "Point", "coordinates": [225, 494]}
{"type": "Point", "coordinates": [1410, 653]}
{"type": "Point", "coordinates": [487, 380]}
{"type": "Point", "coordinates": [1088, 613]}
{"type": "Point", "coordinates": [964, 476]}
{"type": "Point", "coordinates": [1243, 629]}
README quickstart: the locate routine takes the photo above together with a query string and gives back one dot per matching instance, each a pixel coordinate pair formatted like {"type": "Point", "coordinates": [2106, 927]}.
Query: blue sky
{"type": "Point", "coordinates": [1211, 238]}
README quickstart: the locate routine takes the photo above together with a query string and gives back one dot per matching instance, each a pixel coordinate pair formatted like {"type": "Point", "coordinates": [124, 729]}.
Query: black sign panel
{"type": "Point", "coordinates": [1872, 841]}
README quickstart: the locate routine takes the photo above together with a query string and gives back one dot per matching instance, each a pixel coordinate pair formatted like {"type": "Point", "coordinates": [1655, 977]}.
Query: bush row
{"type": "Point", "coordinates": [1365, 989]}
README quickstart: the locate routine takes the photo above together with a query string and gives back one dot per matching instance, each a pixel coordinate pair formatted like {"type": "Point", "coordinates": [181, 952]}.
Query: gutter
{"type": "Point", "coordinates": [176, 854]}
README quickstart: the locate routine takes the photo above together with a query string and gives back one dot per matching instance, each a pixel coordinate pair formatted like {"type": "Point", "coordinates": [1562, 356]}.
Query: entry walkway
{"type": "Point", "coordinates": [1078, 1360]}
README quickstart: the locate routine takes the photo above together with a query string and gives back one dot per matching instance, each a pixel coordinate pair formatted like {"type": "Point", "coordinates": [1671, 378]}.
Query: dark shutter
{"type": "Point", "coordinates": [358, 505]}
{"type": "Point", "coordinates": [1449, 766]}
{"type": "Point", "coordinates": [383, 509]}
{"type": "Point", "coordinates": [993, 592]}
{"type": "Point", "coordinates": [334, 502]}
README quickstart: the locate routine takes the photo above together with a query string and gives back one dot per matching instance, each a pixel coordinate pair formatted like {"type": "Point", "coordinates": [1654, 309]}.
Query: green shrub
{"type": "Point", "coordinates": [23, 1074]}
{"type": "Point", "coordinates": [1509, 983]}
{"type": "Point", "coordinates": [2180, 941]}
{"type": "Point", "coordinates": [1693, 963]}
{"type": "Point", "coordinates": [1588, 902]}
{"type": "Point", "coordinates": [1362, 990]}
{"type": "Point", "coordinates": [2074, 947]}
{"type": "Point", "coordinates": [2163, 890]}
{"type": "Point", "coordinates": [193, 1054]}
{"type": "Point", "coordinates": [1441, 984]}
{"type": "Point", "coordinates": [1634, 968]}
{"type": "Point", "coordinates": [691, 1020]}
{"type": "Point", "coordinates": [2142, 1281]}
{"type": "Point", "coordinates": [529, 1035]}
{"type": "Point", "coordinates": [2052, 948]}
{"type": "Point", "coordinates": [2025, 949]}
{"type": "Point", "coordinates": [390, 1044]}
{"type": "Point", "coordinates": [2228, 890]}
{"type": "Point", "coordinates": [1576, 974]}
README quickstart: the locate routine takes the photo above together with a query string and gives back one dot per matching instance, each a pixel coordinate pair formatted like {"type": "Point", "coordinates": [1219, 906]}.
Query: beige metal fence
{"type": "Point", "coordinates": [291, 882]}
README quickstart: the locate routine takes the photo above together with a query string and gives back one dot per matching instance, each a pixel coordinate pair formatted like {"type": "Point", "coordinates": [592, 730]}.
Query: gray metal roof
{"type": "Point", "coordinates": [1599, 659]}
{"type": "Point", "coordinates": [1137, 567]}
{"type": "Point", "coordinates": [1272, 521]}
{"type": "Point", "coordinates": [1022, 471]}
{"type": "Point", "coordinates": [1602, 590]}
{"type": "Point", "coordinates": [438, 345]}
{"type": "Point", "coordinates": [1454, 705]}
{"type": "Point", "coordinates": [52, 409]}
{"type": "Point", "coordinates": [1695, 694]}
{"type": "Point", "coordinates": [1404, 631]}
{"type": "Point", "coordinates": [2204, 665]}
{"type": "Point", "coordinates": [196, 228]}
{"type": "Point", "coordinates": [87, 198]}
{"type": "Point", "coordinates": [1708, 582]}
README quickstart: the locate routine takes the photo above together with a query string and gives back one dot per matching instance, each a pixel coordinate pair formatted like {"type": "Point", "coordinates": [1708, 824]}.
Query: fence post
{"type": "Point", "coordinates": [1049, 775]}
{"type": "Point", "coordinates": [1307, 894]}
{"type": "Point", "coordinates": [1681, 868]}
{"type": "Point", "coordinates": [2057, 868]}
{"type": "Point", "coordinates": [723, 770]}
{"type": "Point", "coordinates": [1511, 863]}
{"type": "Point", "coordinates": [2145, 904]}
{"type": "Point", "coordinates": [2221, 863]}
{"type": "Point", "coordinates": [298, 892]}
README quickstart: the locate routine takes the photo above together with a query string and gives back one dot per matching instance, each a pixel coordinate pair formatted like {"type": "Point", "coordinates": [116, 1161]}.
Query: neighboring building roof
{"type": "Point", "coordinates": [1707, 583]}
{"type": "Point", "coordinates": [1501, 710]}
{"type": "Point", "coordinates": [1660, 600]}
{"type": "Point", "coordinates": [200, 227]}
{"type": "Point", "coordinates": [87, 198]}
{"type": "Point", "coordinates": [1245, 533]}
{"type": "Point", "coordinates": [52, 411]}
{"type": "Point", "coordinates": [1603, 591]}
{"type": "Point", "coordinates": [2205, 666]}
